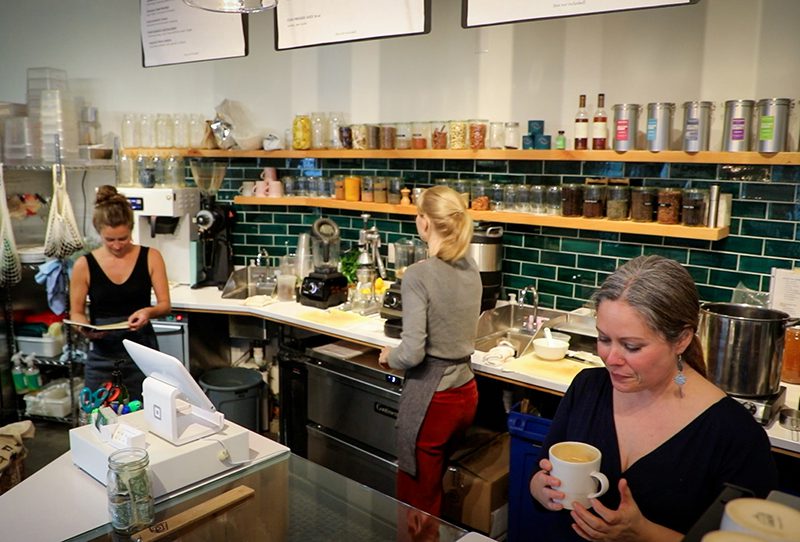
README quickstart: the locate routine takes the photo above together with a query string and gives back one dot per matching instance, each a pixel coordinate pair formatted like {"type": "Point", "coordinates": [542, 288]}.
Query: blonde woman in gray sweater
{"type": "Point", "coordinates": [441, 306]}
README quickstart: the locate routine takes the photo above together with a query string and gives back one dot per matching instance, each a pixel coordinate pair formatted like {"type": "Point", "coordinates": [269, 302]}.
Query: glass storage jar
{"type": "Point", "coordinates": [319, 130]}
{"type": "Point", "coordinates": [523, 199]}
{"type": "Point", "coordinates": [289, 186]}
{"type": "Point", "coordinates": [379, 190]}
{"type": "Point", "coordinates": [346, 137]}
{"type": "Point", "coordinates": [617, 202]}
{"type": "Point", "coordinates": [669, 206]}
{"type": "Point", "coordinates": [312, 187]}
{"type": "Point", "coordinates": [790, 370]}
{"type": "Point", "coordinates": [694, 207]}
{"type": "Point", "coordinates": [373, 136]}
{"type": "Point", "coordinates": [394, 187]}
{"type": "Point", "coordinates": [335, 123]}
{"type": "Point", "coordinates": [537, 199]}
{"type": "Point", "coordinates": [130, 499]}
{"type": "Point", "coordinates": [403, 136]}
{"type": "Point", "coordinates": [497, 135]}
{"type": "Point", "coordinates": [457, 138]}
{"type": "Point", "coordinates": [572, 199]}
{"type": "Point", "coordinates": [359, 136]}
{"type": "Point", "coordinates": [439, 135]}
{"type": "Point", "coordinates": [511, 137]}
{"type": "Point", "coordinates": [325, 187]}
{"type": "Point", "coordinates": [368, 189]}
{"type": "Point", "coordinates": [510, 197]}
{"type": "Point", "coordinates": [462, 187]}
{"type": "Point", "coordinates": [594, 201]}
{"type": "Point", "coordinates": [338, 186]}
{"type": "Point", "coordinates": [301, 132]}
{"type": "Point", "coordinates": [388, 136]}
{"type": "Point", "coordinates": [477, 133]}
{"type": "Point", "coordinates": [644, 203]}
{"type": "Point", "coordinates": [496, 197]}
{"type": "Point", "coordinates": [479, 195]}
{"type": "Point", "coordinates": [352, 188]}
{"type": "Point", "coordinates": [553, 200]}
{"type": "Point", "coordinates": [420, 135]}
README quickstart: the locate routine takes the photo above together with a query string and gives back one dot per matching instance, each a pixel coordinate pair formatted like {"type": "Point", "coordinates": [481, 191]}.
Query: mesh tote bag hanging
{"type": "Point", "coordinates": [10, 267]}
{"type": "Point", "coordinates": [63, 237]}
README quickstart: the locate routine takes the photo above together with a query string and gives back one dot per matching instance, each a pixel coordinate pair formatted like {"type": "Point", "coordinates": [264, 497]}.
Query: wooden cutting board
{"type": "Point", "coordinates": [531, 365]}
{"type": "Point", "coordinates": [332, 317]}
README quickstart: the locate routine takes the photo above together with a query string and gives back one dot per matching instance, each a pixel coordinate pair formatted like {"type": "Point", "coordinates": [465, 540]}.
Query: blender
{"type": "Point", "coordinates": [325, 286]}
{"type": "Point", "coordinates": [406, 252]}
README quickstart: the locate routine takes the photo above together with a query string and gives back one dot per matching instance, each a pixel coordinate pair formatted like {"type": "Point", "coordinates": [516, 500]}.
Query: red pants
{"type": "Point", "coordinates": [449, 415]}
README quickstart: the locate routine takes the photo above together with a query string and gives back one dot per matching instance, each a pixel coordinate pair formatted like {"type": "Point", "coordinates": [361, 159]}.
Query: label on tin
{"type": "Point", "coordinates": [766, 128]}
{"type": "Point", "coordinates": [737, 129]}
{"type": "Point", "coordinates": [652, 125]}
{"type": "Point", "coordinates": [623, 132]}
{"type": "Point", "coordinates": [692, 132]}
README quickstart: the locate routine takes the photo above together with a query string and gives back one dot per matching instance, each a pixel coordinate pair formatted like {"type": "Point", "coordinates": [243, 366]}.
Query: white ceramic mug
{"type": "Point", "coordinates": [577, 465]}
{"type": "Point", "coordinates": [274, 188]}
{"type": "Point", "coordinates": [247, 188]}
{"type": "Point", "coordinates": [269, 174]}
{"type": "Point", "coordinates": [261, 188]}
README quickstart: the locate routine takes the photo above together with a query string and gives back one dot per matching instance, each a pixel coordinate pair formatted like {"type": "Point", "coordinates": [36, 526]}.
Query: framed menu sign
{"type": "Point", "coordinates": [305, 23]}
{"type": "Point", "coordinates": [488, 12]}
{"type": "Point", "coordinates": [174, 33]}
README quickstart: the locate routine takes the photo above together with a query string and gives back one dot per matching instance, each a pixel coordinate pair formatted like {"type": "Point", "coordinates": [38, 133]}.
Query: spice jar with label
{"type": "Point", "coordinates": [594, 200]}
{"type": "Point", "coordinates": [301, 132]}
{"type": "Point", "coordinates": [644, 203]}
{"type": "Point", "coordinates": [368, 189]}
{"type": "Point", "coordinates": [669, 206]}
{"type": "Point", "coordinates": [537, 199]}
{"type": "Point", "coordinates": [457, 137]}
{"type": "Point", "coordinates": [479, 195]}
{"type": "Point", "coordinates": [338, 186]}
{"type": "Point", "coordinates": [553, 200]}
{"type": "Point", "coordinates": [130, 499]}
{"type": "Point", "coordinates": [477, 133]}
{"type": "Point", "coordinates": [379, 190]}
{"type": "Point", "coordinates": [572, 199]}
{"type": "Point", "coordinates": [352, 188]}
{"type": "Point", "coordinates": [790, 371]}
{"type": "Point", "coordinates": [393, 188]}
{"type": "Point", "coordinates": [694, 207]}
{"type": "Point", "coordinates": [439, 135]}
{"type": "Point", "coordinates": [402, 136]}
{"type": "Point", "coordinates": [420, 135]}
{"type": "Point", "coordinates": [617, 202]}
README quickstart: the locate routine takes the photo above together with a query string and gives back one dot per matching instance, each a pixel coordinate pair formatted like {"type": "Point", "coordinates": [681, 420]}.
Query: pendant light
{"type": "Point", "coordinates": [233, 6]}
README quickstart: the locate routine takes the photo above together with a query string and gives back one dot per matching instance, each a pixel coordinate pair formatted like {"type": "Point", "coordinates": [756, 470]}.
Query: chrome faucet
{"type": "Point", "coordinates": [529, 322]}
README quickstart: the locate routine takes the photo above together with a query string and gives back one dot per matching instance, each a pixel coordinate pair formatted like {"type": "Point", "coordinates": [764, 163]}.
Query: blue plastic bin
{"type": "Point", "coordinates": [527, 434]}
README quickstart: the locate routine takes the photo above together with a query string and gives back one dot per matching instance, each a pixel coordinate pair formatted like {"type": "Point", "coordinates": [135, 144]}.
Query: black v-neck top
{"type": "Point", "coordinates": [675, 483]}
{"type": "Point", "coordinates": [108, 299]}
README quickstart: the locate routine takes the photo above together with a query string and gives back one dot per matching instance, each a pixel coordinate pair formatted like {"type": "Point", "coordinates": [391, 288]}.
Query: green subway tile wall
{"type": "Point", "coordinates": [566, 265]}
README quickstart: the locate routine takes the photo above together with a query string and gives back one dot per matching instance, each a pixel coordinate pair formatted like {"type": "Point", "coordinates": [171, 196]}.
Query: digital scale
{"type": "Point", "coordinates": [764, 409]}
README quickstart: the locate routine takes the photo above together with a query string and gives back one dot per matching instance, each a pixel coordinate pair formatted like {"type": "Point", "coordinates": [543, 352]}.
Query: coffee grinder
{"type": "Point", "coordinates": [406, 252]}
{"type": "Point", "coordinates": [325, 286]}
{"type": "Point", "coordinates": [215, 225]}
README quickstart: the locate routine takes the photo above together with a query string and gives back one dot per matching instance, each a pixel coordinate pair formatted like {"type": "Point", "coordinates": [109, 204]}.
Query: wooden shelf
{"type": "Point", "coordinates": [577, 223]}
{"type": "Point", "coordinates": [705, 157]}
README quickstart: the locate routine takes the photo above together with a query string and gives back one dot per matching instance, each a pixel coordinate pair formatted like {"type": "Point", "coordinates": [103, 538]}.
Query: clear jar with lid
{"type": "Point", "coordinates": [537, 199]}
{"type": "Point", "coordinates": [669, 206]}
{"type": "Point", "coordinates": [523, 203]}
{"type": "Point", "coordinates": [373, 136]}
{"type": "Point", "coordinates": [572, 199]}
{"type": "Point", "coordinates": [393, 188]}
{"type": "Point", "coordinates": [510, 197]}
{"type": "Point", "coordinates": [335, 123]}
{"type": "Point", "coordinates": [617, 202]}
{"type": "Point", "coordinates": [338, 186]}
{"type": "Point", "coordinates": [594, 196]}
{"type": "Point", "coordinates": [644, 203]}
{"type": "Point", "coordinates": [380, 190]}
{"type": "Point", "coordinates": [403, 136]}
{"type": "Point", "coordinates": [457, 138]}
{"type": "Point", "coordinates": [388, 136]}
{"type": "Point", "coordinates": [319, 130]}
{"type": "Point", "coordinates": [126, 170]}
{"type": "Point", "coordinates": [497, 197]}
{"type": "Point", "coordinates": [461, 186]}
{"type": "Point", "coordinates": [497, 135]}
{"type": "Point", "coordinates": [301, 132]}
{"type": "Point", "coordinates": [346, 137]}
{"type": "Point", "coordinates": [479, 195]}
{"type": "Point", "coordinates": [174, 173]}
{"type": "Point", "coordinates": [477, 133]}
{"type": "Point", "coordinates": [420, 135]}
{"type": "Point", "coordinates": [694, 207]}
{"type": "Point", "coordinates": [439, 134]}
{"type": "Point", "coordinates": [359, 132]}
{"type": "Point", "coordinates": [511, 137]}
{"type": "Point", "coordinates": [130, 498]}
{"type": "Point", "coordinates": [553, 200]}
{"type": "Point", "coordinates": [312, 187]}
{"type": "Point", "coordinates": [368, 189]}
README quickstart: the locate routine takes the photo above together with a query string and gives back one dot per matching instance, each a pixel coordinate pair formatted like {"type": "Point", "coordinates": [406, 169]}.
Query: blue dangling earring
{"type": "Point", "coordinates": [680, 378]}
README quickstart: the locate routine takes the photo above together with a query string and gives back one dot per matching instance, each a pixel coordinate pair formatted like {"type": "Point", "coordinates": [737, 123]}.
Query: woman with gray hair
{"type": "Point", "coordinates": [670, 438]}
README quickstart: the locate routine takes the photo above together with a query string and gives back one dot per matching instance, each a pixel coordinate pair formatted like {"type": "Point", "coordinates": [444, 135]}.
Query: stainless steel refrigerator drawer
{"type": "Point", "coordinates": [351, 407]}
{"type": "Point", "coordinates": [339, 455]}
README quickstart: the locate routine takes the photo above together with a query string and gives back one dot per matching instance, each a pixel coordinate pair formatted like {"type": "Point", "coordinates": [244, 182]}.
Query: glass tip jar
{"type": "Point", "coordinates": [130, 499]}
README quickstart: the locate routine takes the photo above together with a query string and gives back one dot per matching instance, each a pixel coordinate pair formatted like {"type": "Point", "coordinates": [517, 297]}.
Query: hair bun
{"type": "Point", "coordinates": [106, 193]}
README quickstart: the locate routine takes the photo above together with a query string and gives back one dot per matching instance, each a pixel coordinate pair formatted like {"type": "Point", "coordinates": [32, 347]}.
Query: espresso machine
{"type": "Point", "coordinates": [163, 219]}
{"type": "Point", "coordinates": [406, 252]}
{"type": "Point", "coordinates": [214, 225]}
{"type": "Point", "coordinates": [325, 286]}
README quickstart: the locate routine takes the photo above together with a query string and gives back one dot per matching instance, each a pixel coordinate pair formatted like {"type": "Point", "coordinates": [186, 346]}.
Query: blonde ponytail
{"type": "Point", "coordinates": [448, 215]}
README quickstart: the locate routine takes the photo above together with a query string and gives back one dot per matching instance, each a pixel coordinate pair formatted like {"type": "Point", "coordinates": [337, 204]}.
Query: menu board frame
{"type": "Point", "coordinates": [225, 35]}
{"type": "Point", "coordinates": [476, 13]}
{"type": "Point", "coordinates": [396, 18]}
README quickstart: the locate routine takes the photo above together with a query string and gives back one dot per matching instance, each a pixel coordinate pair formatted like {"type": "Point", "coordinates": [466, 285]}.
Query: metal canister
{"type": "Point", "coordinates": [696, 125]}
{"type": "Point", "coordinates": [773, 124]}
{"type": "Point", "coordinates": [626, 125]}
{"type": "Point", "coordinates": [659, 125]}
{"type": "Point", "coordinates": [738, 125]}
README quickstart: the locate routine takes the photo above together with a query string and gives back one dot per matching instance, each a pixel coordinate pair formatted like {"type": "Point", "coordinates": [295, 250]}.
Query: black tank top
{"type": "Point", "coordinates": [108, 299]}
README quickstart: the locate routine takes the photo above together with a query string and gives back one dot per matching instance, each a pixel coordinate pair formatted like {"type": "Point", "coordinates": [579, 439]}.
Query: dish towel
{"type": "Point", "coordinates": [54, 274]}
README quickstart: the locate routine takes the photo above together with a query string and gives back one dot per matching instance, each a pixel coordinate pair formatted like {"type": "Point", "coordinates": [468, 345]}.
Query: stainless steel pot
{"type": "Point", "coordinates": [743, 347]}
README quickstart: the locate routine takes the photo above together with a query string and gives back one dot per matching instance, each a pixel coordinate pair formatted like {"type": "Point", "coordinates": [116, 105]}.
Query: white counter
{"type": "Point", "coordinates": [528, 371]}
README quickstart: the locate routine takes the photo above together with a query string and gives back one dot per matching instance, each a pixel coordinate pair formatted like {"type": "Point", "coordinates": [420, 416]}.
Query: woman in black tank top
{"type": "Point", "coordinates": [117, 278]}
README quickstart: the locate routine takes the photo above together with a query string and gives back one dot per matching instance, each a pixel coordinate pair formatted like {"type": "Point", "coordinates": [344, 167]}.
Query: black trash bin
{"type": "Point", "coordinates": [236, 392]}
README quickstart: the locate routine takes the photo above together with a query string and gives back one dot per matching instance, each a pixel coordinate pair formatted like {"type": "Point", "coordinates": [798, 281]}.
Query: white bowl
{"type": "Point", "coordinates": [550, 349]}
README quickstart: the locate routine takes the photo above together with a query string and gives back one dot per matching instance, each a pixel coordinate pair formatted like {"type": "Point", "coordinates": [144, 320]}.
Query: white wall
{"type": "Point", "coordinates": [714, 50]}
